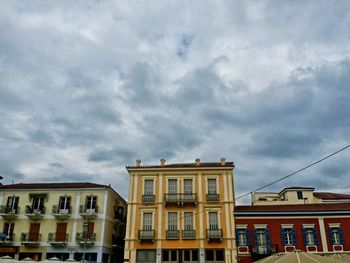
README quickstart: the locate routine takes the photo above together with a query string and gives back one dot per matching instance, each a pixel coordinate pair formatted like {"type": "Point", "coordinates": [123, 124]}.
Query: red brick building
{"type": "Point", "coordinates": [266, 229]}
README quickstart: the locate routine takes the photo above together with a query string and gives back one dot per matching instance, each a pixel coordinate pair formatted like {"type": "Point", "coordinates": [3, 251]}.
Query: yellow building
{"type": "Point", "coordinates": [64, 220]}
{"type": "Point", "coordinates": [181, 213]}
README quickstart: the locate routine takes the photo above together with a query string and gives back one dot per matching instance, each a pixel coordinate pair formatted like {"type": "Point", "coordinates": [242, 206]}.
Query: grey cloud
{"type": "Point", "coordinates": [69, 177]}
{"type": "Point", "coordinates": [116, 155]}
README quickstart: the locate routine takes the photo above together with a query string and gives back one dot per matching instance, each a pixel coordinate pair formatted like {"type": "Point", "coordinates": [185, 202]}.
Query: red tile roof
{"type": "Point", "coordinates": [52, 185]}
{"type": "Point", "coordinates": [294, 208]}
{"type": "Point", "coordinates": [185, 165]}
{"type": "Point", "coordinates": [331, 196]}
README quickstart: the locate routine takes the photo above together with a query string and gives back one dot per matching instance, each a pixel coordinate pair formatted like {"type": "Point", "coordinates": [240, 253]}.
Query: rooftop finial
{"type": "Point", "coordinates": [223, 161]}
{"type": "Point", "coordinates": [138, 163]}
{"type": "Point", "coordinates": [198, 162]}
{"type": "Point", "coordinates": [162, 162]}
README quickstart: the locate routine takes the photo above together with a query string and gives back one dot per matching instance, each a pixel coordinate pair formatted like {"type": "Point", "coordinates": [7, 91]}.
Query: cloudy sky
{"type": "Point", "coordinates": [87, 87]}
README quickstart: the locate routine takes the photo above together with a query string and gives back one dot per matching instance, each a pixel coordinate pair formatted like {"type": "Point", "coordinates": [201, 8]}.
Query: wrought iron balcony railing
{"type": "Point", "coordinates": [56, 210]}
{"type": "Point", "coordinates": [214, 234]}
{"type": "Point", "coordinates": [172, 234]}
{"type": "Point", "coordinates": [213, 197]}
{"type": "Point", "coordinates": [58, 238]}
{"type": "Point", "coordinates": [37, 211]}
{"type": "Point", "coordinates": [30, 238]}
{"type": "Point", "coordinates": [148, 199]}
{"type": "Point", "coordinates": [180, 198]}
{"type": "Point", "coordinates": [146, 235]}
{"type": "Point", "coordinates": [84, 209]}
{"type": "Point", "coordinates": [188, 234]}
{"type": "Point", "coordinates": [7, 209]}
{"type": "Point", "coordinates": [85, 238]}
{"type": "Point", "coordinates": [7, 238]}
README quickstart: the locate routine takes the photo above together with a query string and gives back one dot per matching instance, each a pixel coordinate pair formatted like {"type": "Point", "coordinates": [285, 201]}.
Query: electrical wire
{"type": "Point", "coordinates": [289, 175]}
{"type": "Point", "coordinates": [260, 188]}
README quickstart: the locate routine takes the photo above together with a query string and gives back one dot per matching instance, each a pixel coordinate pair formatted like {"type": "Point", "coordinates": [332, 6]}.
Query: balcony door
{"type": "Point", "coordinates": [61, 230]}
{"type": "Point", "coordinates": [12, 203]}
{"type": "Point", "coordinates": [64, 204]}
{"type": "Point", "coordinates": [8, 230]}
{"type": "Point", "coordinates": [34, 232]}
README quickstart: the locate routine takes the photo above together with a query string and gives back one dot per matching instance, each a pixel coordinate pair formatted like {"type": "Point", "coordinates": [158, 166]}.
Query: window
{"type": "Point", "coordinates": [336, 235]}
{"type": "Point", "coordinates": [213, 220]}
{"type": "Point", "coordinates": [169, 255]}
{"type": "Point", "coordinates": [310, 236]}
{"type": "Point", "coordinates": [242, 237]}
{"type": "Point", "coordinates": [38, 203]}
{"type": "Point", "coordinates": [12, 203]}
{"type": "Point", "coordinates": [212, 186]}
{"type": "Point", "coordinates": [8, 231]}
{"type": "Point", "coordinates": [172, 186]}
{"type": "Point", "coordinates": [190, 255]}
{"type": "Point", "coordinates": [188, 218]}
{"type": "Point", "coordinates": [148, 187]}
{"type": "Point", "coordinates": [91, 202]}
{"type": "Point", "coordinates": [147, 221]}
{"type": "Point", "coordinates": [64, 203]}
{"type": "Point", "coordinates": [300, 195]}
{"type": "Point", "coordinates": [145, 256]}
{"type": "Point", "coordinates": [172, 221]}
{"type": "Point", "coordinates": [215, 255]}
{"type": "Point", "coordinates": [188, 186]}
{"type": "Point", "coordinates": [288, 236]}
{"type": "Point", "coordinates": [262, 240]}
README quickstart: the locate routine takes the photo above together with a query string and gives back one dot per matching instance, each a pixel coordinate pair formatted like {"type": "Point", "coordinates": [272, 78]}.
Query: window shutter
{"type": "Point", "coordinates": [315, 236]}
{"type": "Point", "coordinates": [304, 236]}
{"type": "Point", "coordinates": [331, 229]}
{"type": "Point", "coordinates": [267, 233]}
{"type": "Point", "coordinates": [283, 236]}
{"type": "Point", "coordinates": [237, 240]}
{"type": "Point", "coordinates": [341, 239]}
{"type": "Point", "coordinates": [294, 239]}
{"type": "Point", "coordinates": [255, 238]}
{"type": "Point", "coordinates": [247, 237]}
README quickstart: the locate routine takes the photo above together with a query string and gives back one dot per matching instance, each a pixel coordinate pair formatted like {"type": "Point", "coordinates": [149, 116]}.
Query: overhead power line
{"type": "Point", "coordinates": [289, 175]}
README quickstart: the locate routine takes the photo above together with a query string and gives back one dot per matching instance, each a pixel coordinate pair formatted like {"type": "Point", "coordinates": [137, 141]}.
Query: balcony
{"type": "Point", "coordinates": [8, 212]}
{"type": "Point", "coordinates": [213, 197]}
{"type": "Point", "coordinates": [60, 213]}
{"type": "Point", "coordinates": [30, 239]}
{"type": "Point", "coordinates": [180, 199]}
{"type": "Point", "coordinates": [35, 213]}
{"type": "Point", "coordinates": [7, 239]}
{"type": "Point", "coordinates": [173, 234]}
{"type": "Point", "coordinates": [57, 239]}
{"type": "Point", "coordinates": [264, 250]}
{"type": "Point", "coordinates": [146, 235]}
{"type": "Point", "coordinates": [88, 213]}
{"type": "Point", "coordinates": [188, 234]}
{"type": "Point", "coordinates": [214, 235]}
{"type": "Point", "coordinates": [148, 199]}
{"type": "Point", "coordinates": [85, 239]}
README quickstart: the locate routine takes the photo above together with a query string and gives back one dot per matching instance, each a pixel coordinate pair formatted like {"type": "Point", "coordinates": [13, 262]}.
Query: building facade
{"type": "Point", "coordinates": [64, 220]}
{"type": "Point", "coordinates": [297, 195]}
{"type": "Point", "coordinates": [262, 230]}
{"type": "Point", "coordinates": [181, 213]}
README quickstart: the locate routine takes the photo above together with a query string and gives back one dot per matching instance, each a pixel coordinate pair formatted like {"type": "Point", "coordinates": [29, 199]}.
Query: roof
{"type": "Point", "coordinates": [185, 165]}
{"type": "Point", "coordinates": [292, 209]}
{"type": "Point", "coordinates": [331, 196]}
{"type": "Point", "coordinates": [297, 188]}
{"type": "Point", "coordinates": [52, 185]}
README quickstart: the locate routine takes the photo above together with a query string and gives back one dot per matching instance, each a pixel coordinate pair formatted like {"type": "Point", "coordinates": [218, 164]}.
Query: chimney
{"type": "Point", "coordinates": [223, 161]}
{"type": "Point", "coordinates": [162, 162]}
{"type": "Point", "coordinates": [198, 162]}
{"type": "Point", "coordinates": [138, 163]}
